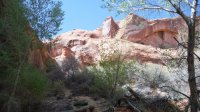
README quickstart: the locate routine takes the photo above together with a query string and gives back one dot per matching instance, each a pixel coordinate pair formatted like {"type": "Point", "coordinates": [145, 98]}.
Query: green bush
{"type": "Point", "coordinates": [110, 76]}
{"type": "Point", "coordinates": [81, 82]}
{"type": "Point", "coordinates": [30, 88]}
{"type": "Point", "coordinates": [21, 84]}
{"type": "Point", "coordinates": [33, 81]}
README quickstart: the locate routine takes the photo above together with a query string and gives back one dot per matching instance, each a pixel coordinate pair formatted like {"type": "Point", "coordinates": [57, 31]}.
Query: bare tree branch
{"type": "Point", "coordinates": [197, 77]}
{"type": "Point", "coordinates": [180, 12]}
{"type": "Point", "coordinates": [175, 91]}
{"type": "Point", "coordinates": [193, 10]}
{"type": "Point", "coordinates": [162, 8]}
{"type": "Point", "coordinates": [179, 3]}
{"type": "Point", "coordinates": [188, 2]}
{"type": "Point", "coordinates": [156, 8]}
{"type": "Point", "coordinates": [186, 48]}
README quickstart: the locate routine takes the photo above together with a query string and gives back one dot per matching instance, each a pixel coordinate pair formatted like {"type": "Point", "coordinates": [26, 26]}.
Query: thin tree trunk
{"type": "Point", "coordinates": [191, 70]}
{"type": "Point", "coordinates": [116, 80]}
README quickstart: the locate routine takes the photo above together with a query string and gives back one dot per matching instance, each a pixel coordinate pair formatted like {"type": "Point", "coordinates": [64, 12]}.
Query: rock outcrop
{"type": "Point", "coordinates": [109, 28]}
{"type": "Point", "coordinates": [134, 36]}
{"type": "Point", "coordinates": [160, 34]}
{"type": "Point", "coordinates": [38, 53]}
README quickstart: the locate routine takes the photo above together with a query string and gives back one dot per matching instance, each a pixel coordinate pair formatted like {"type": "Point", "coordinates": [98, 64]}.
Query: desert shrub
{"type": "Point", "coordinates": [34, 85]}
{"type": "Point", "coordinates": [33, 81]}
{"type": "Point", "coordinates": [155, 82]}
{"type": "Point", "coordinates": [111, 72]}
{"type": "Point", "coordinates": [30, 89]}
{"type": "Point", "coordinates": [55, 75]}
{"type": "Point", "coordinates": [50, 65]}
{"type": "Point", "coordinates": [110, 76]}
{"type": "Point", "coordinates": [80, 82]}
{"type": "Point", "coordinates": [104, 80]}
{"type": "Point", "coordinates": [56, 79]}
{"type": "Point", "coordinates": [56, 90]}
{"type": "Point", "coordinates": [149, 78]}
{"type": "Point", "coordinates": [70, 66]}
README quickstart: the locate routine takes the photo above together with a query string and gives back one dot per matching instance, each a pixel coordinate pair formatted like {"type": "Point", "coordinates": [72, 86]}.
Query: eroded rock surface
{"type": "Point", "coordinates": [109, 28]}
{"type": "Point", "coordinates": [134, 36]}
{"type": "Point", "coordinates": [158, 33]}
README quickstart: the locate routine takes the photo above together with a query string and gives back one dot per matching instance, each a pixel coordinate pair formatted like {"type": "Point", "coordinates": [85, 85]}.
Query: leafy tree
{"type": "Point", "coordinates": [188, 10]}
{"type": "Point", "coordinates": [44, 16]}
{"type": "Point", "coordinates": [20, 82]}
{"type": "Point", "coordinates": [110, 76]}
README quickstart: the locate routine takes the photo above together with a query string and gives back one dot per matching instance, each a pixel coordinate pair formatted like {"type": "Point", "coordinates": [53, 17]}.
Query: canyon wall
{"type": "Point", "coordinates": [134, 36]}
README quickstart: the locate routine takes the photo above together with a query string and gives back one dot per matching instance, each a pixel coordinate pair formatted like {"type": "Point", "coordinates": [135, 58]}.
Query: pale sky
{"type": "Point", "coordinates": [88, 15]}
{"type": "Point", "coordinates": [84, 14]}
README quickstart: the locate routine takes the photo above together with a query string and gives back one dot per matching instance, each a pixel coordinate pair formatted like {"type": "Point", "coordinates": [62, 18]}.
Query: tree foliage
{"type": "Point", "coordinates": [44, 16]}
{"type": "Point", "coordinates": [110, 76]}
{"type": "Point", "coordinates": [188, 10]}
{"type": "Point", "coordinates": [138, 6]}
{"type": "Point", "coordinates": [20, 82]}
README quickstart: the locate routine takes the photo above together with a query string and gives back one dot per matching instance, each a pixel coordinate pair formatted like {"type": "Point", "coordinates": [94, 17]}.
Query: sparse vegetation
{"type": "Point", "coordinates": [24, 86]}
{"type": "Point", "coordinates": [173, 7]}
{"type": "Point", "coordinates": [109, 77]}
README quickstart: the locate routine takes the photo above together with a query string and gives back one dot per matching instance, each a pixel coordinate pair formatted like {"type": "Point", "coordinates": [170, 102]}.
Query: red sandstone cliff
{"type": "Point", "coordinates": [134, 36]}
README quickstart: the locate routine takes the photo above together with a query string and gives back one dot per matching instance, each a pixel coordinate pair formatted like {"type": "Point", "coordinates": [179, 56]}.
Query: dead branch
{"type": "Point", "coordinates": [136, 95]}
{"type": "Point", "coordinates": [186, 48]}
{"type": "Point", "coordinates": [179, 11]}
{"type": "Point", "coordinates": [175, 91]}
{"type": "Point", "coordinates": [155, 8]}
{"type": "Point", "coordinates": [135, 108]}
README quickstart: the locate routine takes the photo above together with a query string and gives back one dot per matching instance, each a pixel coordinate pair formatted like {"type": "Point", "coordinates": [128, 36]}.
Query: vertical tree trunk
{"type": "Point", "coordinates": [191, 69]}
{"type": "Point", "coordinates": [2, 6]}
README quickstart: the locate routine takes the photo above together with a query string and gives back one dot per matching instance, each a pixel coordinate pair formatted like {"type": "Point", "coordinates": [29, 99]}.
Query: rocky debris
{"type": "Point", "coordinates": [53, 105]}
{"type": "Point", "coordinates": [138, 103]}
{"type": "Point", "coordinates": [73, 104]}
